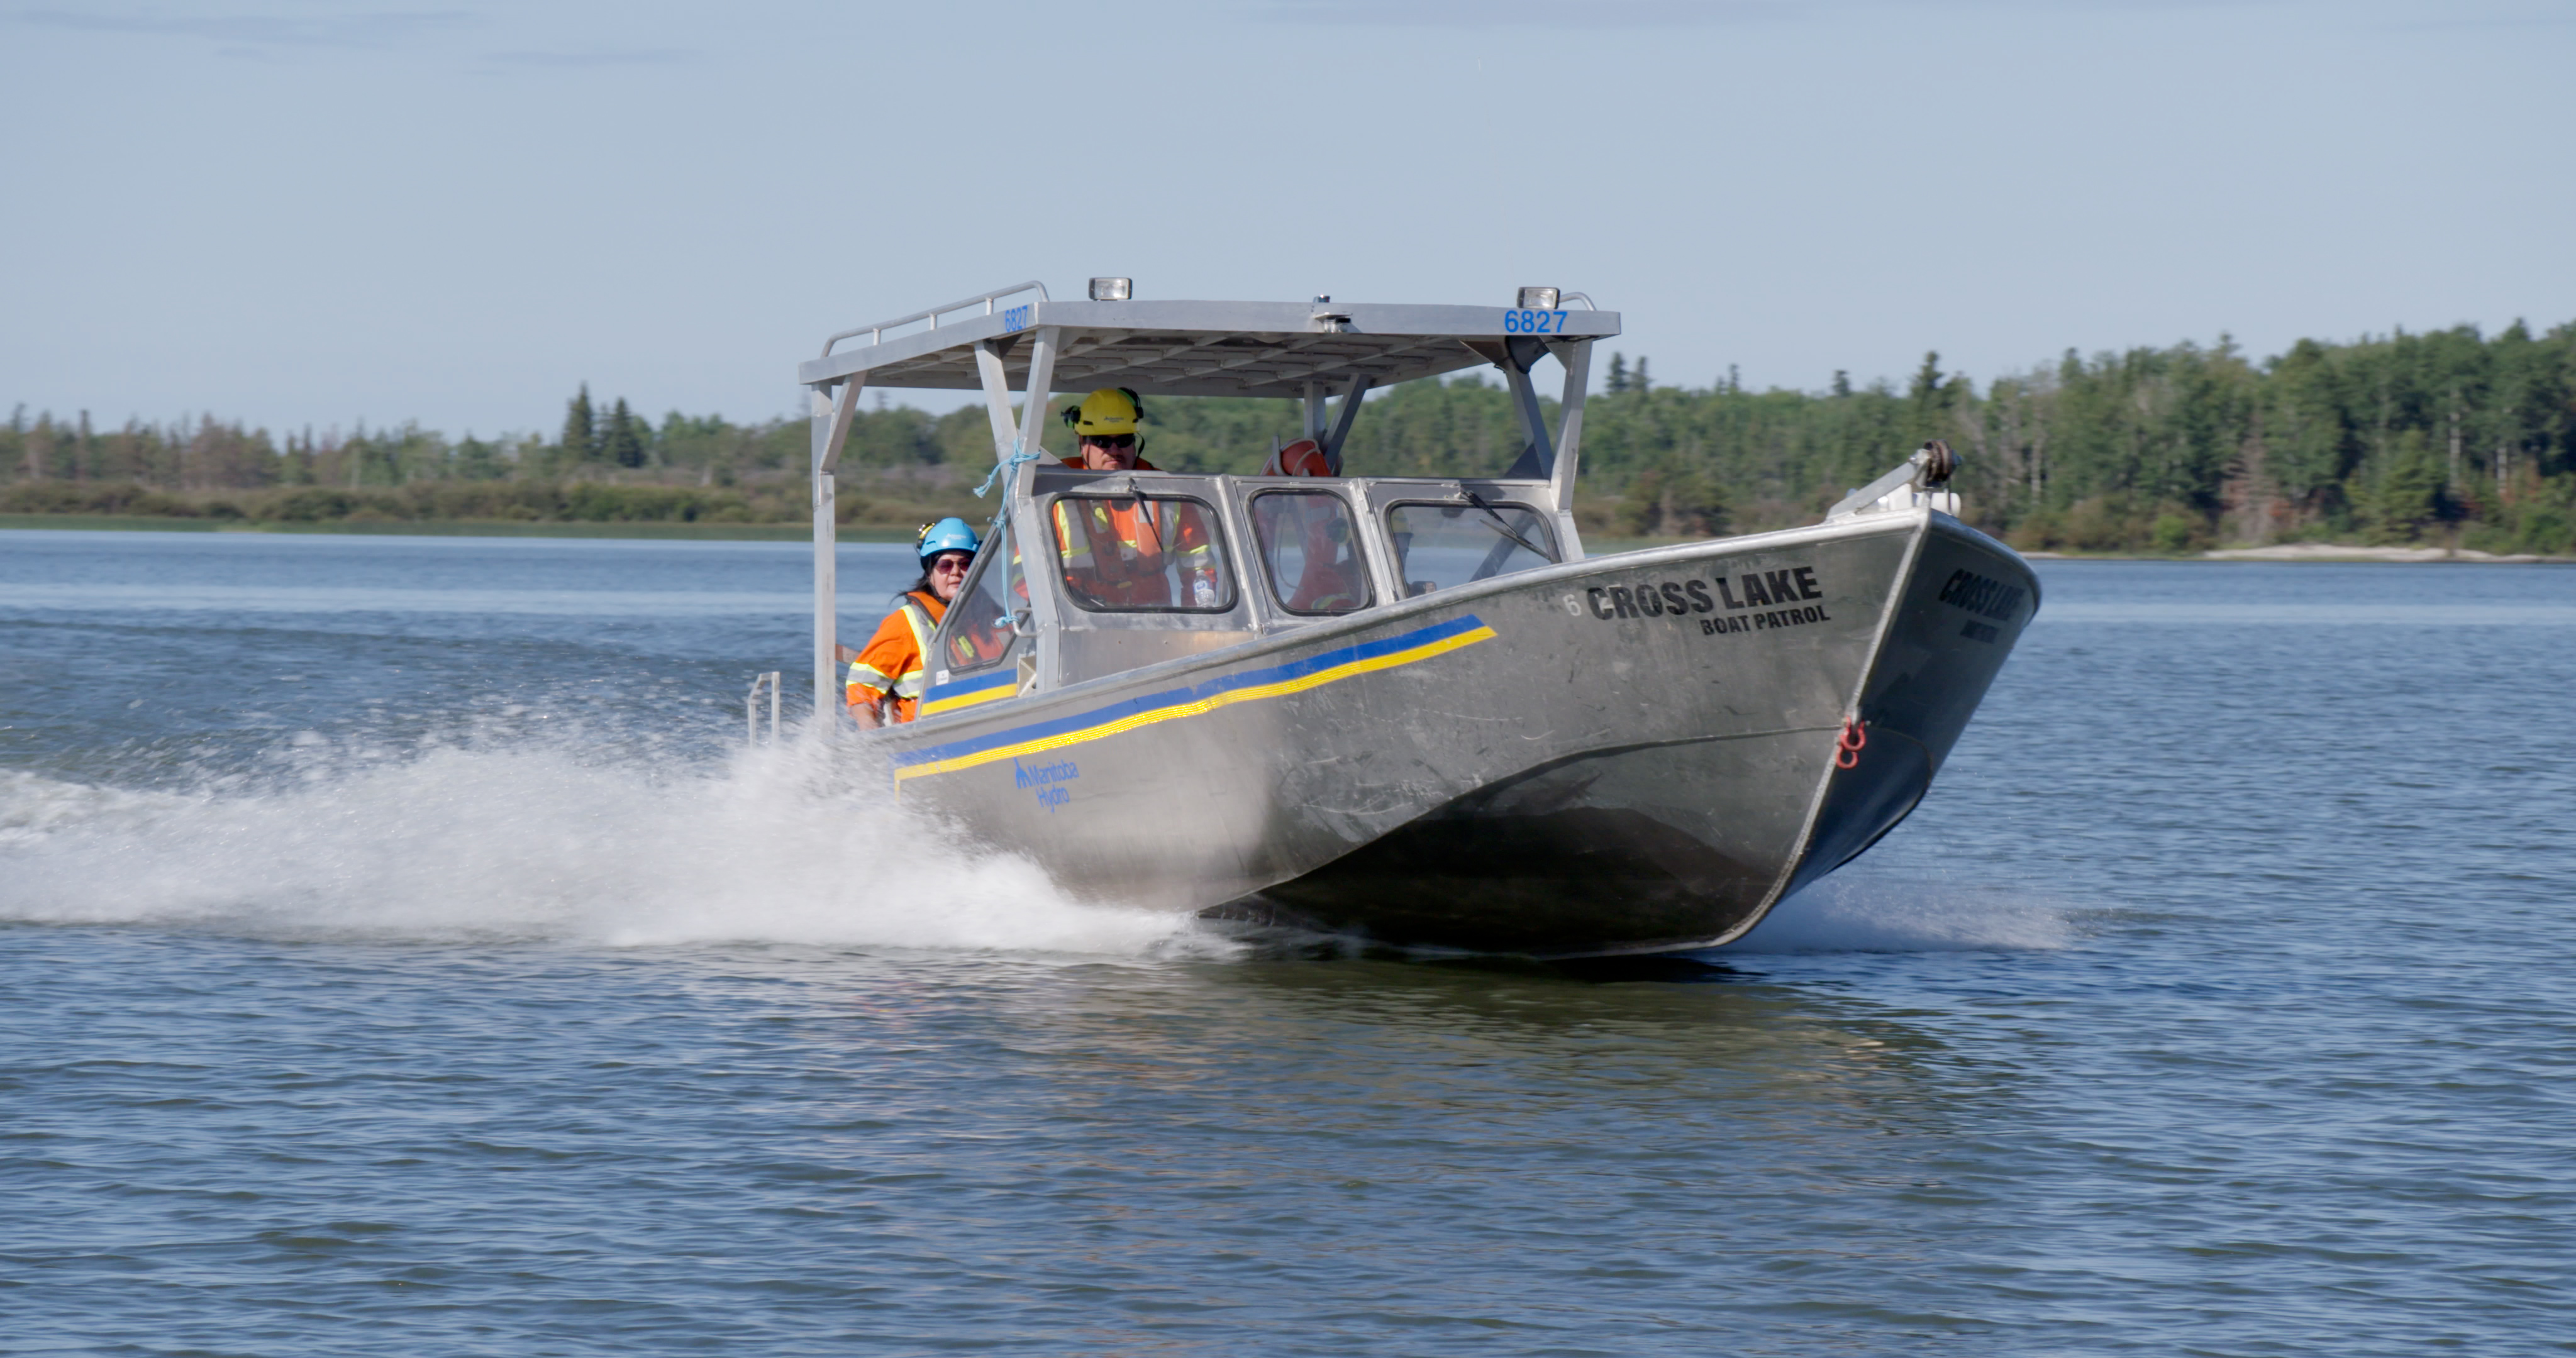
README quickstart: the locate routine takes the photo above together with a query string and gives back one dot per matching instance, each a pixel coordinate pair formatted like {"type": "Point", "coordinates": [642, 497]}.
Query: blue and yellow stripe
{"type": "Point", "coordinates": [983, 688]}
{"type": "Point", "coordinates": [1277, 681]}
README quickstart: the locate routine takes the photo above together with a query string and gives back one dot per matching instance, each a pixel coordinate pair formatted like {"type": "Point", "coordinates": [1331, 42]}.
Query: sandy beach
{"type": "Point", "coordinates": [2327, 551]}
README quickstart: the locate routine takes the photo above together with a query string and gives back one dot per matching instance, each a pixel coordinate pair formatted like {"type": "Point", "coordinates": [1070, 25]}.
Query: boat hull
{"type": "Point", "coordinates": [1625, 754]}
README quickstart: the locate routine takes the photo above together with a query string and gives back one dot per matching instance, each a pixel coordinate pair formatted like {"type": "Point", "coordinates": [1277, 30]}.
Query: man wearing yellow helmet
{"type": "Point", "coordinates": [1125, 553]}
{"type": "Point", "coordinates": [1105, 427]}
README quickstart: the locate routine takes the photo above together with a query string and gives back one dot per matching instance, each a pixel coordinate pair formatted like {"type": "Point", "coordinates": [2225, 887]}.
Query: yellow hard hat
{"type": "Point", "coordinates": [1108, 412]}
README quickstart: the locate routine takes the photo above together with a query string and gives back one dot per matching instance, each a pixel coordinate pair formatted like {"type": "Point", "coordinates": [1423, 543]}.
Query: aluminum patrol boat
{"type": "Point", "coordinates": [1407, 708]}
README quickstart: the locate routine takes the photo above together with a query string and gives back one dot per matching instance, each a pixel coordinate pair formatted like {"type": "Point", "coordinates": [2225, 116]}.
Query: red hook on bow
{"type": "Point", "coordinates": [1847, 750]}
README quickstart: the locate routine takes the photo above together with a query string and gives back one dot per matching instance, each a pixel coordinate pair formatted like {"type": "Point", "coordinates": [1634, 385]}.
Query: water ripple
{"type": "Point", "coordinates": [479, 997]}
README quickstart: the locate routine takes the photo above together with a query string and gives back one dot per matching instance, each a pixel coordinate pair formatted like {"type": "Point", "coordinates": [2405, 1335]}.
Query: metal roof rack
{"type": "Point", "coordinates": [987, 300]}
{"type": "Point", "coordinates": [1196, 348]}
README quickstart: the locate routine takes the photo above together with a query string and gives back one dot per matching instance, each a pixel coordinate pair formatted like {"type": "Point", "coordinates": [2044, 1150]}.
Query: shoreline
{"type": "Point", "coordinates": [647, 530]}
{"type": "Point", "coordinates": [457, 528]}
{"type": "Point", "coordinates": [2320, 552]}
{"type": "Point", "coordinates": [2327, 551]}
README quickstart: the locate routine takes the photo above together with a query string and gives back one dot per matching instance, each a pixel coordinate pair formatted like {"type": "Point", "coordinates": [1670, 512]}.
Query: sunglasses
{"type": "Point", "coordinates": [1111, 440]}
{"type": "Point", "coordinates": [953, 561]}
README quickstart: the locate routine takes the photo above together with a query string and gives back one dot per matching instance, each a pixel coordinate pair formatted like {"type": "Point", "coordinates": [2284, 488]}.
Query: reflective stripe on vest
{"type": "Point", "coordinates": [1130, 524]}
{"type": "Point", "coordinates": [911, 685]}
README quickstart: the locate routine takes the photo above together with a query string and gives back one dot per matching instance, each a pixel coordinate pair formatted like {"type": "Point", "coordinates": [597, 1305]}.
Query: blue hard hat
{"type": "Point", "coordinates": [947, 535]}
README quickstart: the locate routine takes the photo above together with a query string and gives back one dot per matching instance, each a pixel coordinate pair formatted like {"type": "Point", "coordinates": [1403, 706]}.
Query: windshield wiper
{"type": "Point", "coordinates": [1504, 527]}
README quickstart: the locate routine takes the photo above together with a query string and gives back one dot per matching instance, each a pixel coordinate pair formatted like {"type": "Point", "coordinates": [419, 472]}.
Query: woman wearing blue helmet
{"type": "Point", "coordinates": [890, 665]}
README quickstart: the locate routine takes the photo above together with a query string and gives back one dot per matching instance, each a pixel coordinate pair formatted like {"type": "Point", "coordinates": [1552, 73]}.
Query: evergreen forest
{"type": "Point", "coordinates": [2448, 437]}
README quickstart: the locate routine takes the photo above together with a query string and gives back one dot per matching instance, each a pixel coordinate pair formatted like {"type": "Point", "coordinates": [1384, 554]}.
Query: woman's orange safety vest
{"type": "Point", "coordinates": [891, 662]}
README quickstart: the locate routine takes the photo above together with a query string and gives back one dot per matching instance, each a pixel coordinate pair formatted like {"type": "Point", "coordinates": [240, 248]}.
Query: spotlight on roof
{"type": "Point", "coordinates": [1538, 299]}
{"type": "Point", "coordinates": [1112, 289]}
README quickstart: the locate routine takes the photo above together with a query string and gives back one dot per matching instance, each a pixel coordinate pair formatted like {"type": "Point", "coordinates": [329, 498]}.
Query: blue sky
{"type": "Point", "coordinates": [299, 213]}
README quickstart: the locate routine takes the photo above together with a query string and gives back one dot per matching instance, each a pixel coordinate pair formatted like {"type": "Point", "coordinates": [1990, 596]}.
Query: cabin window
{"type": "Point", "coordinates": [1310, 547]}
{"type": "Point", "coordinates": [1141, 554]}
{"type": "Point", "coordinates": [1441, 545]}
{"type": "Point", "coordinates": [978, 631]}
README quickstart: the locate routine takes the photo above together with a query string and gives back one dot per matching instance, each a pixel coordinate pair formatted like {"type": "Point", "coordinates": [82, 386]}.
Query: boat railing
{"type": "Point", "coordinates": [987, 300]}
{"type": "Point", "coordinates": [751, 708]}
{"type": "Point", "coordinates": [1920, 482]}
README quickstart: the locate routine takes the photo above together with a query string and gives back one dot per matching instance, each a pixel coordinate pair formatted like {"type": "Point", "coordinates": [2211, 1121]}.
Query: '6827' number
{"type": "Point", "coordinates": [1533, 322]}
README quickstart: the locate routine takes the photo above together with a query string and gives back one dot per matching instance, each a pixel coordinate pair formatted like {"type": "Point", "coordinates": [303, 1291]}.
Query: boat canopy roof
{"type": "Point", "coordinates": [1177, 348]}
{"type": "Point", "coordinates": [1019, 339]}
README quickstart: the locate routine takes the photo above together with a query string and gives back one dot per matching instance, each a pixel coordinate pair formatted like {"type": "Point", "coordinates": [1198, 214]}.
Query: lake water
{"type": "Point", "coordinates": [401, 955]}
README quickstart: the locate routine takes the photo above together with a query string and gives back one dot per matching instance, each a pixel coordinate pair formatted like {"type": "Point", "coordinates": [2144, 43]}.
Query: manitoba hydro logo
{"type": "Point", "coordinates": [1047, 781]}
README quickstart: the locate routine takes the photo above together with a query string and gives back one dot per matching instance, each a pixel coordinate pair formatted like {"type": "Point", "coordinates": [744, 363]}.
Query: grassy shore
{"type": "Point", "coordinates": [875, 506]}
{"type": "Point", "coordinates": [460, 528]}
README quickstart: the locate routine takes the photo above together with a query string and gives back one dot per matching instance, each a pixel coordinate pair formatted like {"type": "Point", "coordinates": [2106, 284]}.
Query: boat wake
{"type": "Point", "coordinates": [545, 842]}
{"type": "Point", "coordinates": [1862, 913]}
{"type": "Point", "coordinates": [562, 841]}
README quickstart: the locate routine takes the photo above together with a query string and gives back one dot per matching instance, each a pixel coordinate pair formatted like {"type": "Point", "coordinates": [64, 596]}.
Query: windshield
{"type": "Point", "coordinates": [1141, 554]}
{"type": "Point", "coordinates": [1310, 550]}
{"type": "Point", "coordinates": [1438, 546]}
{"type": "Point", "coordinates": [978, 631]}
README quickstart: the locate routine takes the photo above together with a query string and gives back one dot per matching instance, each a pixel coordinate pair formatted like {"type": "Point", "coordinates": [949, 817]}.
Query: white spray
{"type": "Point", "coordinates": [559, 839]}
{"type": "Point", "coordinates": [542, 841]}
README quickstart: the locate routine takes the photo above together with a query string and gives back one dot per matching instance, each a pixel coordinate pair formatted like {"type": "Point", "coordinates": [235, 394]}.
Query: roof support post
{"type": "Point", "coordinates": [997, 397]}
{"type": "Point", "coordinates": [1342, 422]}
{"type": "Point", "coordinates": [1540, 456]}
{"type": "Point", "coordinates": [1576, 355]}
{"type": "Point", "coordinates": [831, 419]}
{"type": "Point", "coordinates": [1315, 411]}
{"type": "Point", "coordinates": [1013, 441]}
{"type": "Point", "coordinates": [1019, 507]}
{"type": "Point", "coordinates": [1033, 405]}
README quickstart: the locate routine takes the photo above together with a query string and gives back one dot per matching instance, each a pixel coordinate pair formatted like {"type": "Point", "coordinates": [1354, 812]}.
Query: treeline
{"type": "Point", "coordinates": [627, 470]}
{"type": "Point", "coordinates": [2448, 436]}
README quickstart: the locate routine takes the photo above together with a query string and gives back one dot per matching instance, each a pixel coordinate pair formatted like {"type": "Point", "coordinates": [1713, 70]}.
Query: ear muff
{"type": "Point", "coordinates": [1109, 410]}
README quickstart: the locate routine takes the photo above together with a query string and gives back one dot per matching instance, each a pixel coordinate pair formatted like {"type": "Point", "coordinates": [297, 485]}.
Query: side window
{"type": "Point", "coordinates": [1141, 554]}
{"type": "Point", "coordinates": [978, 631]}
{"type": "Point", "coordinates": [1310, 549]}
{"type": "Point", "coordinates": [1441, 545]}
